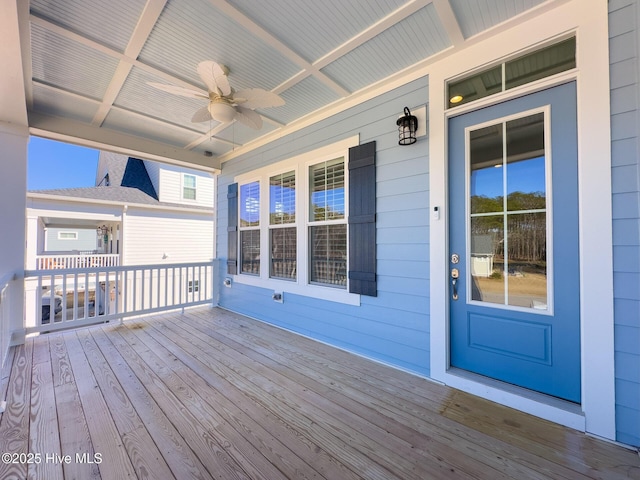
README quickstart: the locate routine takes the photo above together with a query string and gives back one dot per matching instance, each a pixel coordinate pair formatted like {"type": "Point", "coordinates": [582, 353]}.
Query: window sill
{"type": "Point", "coordinates": [330, 294]}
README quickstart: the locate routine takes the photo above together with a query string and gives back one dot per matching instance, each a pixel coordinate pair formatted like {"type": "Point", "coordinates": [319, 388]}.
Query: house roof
{"type": "Point", "coordinates": [127, 172]}
{"type": "Point", "coordinates": [87, 64]}
{"type": "Point", "coordinates": [129, 183]}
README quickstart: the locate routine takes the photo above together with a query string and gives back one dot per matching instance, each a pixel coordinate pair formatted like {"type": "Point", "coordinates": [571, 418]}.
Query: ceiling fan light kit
{"type": "Point", "coordinates": [224, 103]}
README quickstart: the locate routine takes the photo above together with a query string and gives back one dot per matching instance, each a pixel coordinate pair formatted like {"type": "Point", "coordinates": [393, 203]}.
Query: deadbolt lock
{"type": "Point", "coordinates": [455, 258]}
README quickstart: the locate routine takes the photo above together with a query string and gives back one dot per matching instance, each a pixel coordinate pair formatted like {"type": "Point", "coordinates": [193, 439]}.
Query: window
{"type": "Point", "coordinates": [525, 69]}
{"type": "Point", "coordinates": [282, 229]}
{"type": "Point", "coordinates": [288, 224]}
{"type": "Point", "coordinates": [188, 187]}
{"type": "Point", "coordinates": [193, 286]}
{"type": "Point", "coordinates": [67, 235]}
{"type": "Point", "coordinates": [327, 223]}
{"type": "Point", "coordinates": [250, 228]}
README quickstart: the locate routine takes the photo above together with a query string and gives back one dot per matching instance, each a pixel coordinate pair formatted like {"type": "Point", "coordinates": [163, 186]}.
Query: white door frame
{"type": "Point", "coordinates": [596, 414]}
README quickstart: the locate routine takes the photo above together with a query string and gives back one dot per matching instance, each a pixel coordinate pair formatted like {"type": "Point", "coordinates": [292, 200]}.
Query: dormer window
{"type": "Point", "coordinates": [188, 187]}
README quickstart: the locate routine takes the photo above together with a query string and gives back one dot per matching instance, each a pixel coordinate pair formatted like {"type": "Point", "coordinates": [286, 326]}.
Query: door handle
{"type": "Point", "coordinates": [454, 283]}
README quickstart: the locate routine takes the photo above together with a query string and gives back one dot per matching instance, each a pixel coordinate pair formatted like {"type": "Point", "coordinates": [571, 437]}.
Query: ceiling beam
{"type": "Point", "coordinates": [70, 131]}
{"type": "Point", "coordinates": [141, 32]}
{"type": "Point", "coordinates": [449, 21]}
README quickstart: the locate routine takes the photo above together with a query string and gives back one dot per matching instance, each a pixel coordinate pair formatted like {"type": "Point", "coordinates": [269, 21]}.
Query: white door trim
{"type": "Point", "coordinates": [596, 414]}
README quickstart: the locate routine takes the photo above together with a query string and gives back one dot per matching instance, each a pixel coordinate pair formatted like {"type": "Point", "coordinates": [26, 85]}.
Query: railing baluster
{"type": "Point", "coordinates": [63, 302]}
{"type": "Point", "coordinates": [125, 290]}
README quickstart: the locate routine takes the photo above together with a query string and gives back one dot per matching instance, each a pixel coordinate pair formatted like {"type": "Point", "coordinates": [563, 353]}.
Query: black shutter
{"type": "Point", "coordinates": [362, 219]}
{"type": "Point", "coordinates": [232, 229]}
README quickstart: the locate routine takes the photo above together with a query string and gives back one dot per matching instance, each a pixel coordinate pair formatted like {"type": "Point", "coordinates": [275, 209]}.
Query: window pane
{"type": "Point", "coordinates": [250, 251]}
{"type": "Point", "coordinates": [543, 63]}
{"type": "Point", "coordinates": [527, 267]}
{"type": "Point", "coordinates": [328, 245]}
{"type": "Point", "coordinates": [326, 190]}
{"type": "Point", "coordinates": [487, 259]}
{"type": "Point", "coordinates": [478, 86]}
{"type": "Point", "coordinates": [282, 199]}
{"type": "Point", "coordinates": [189, 187]}
{"type": "Point", "coordinates": [283, 253]}
{"type": "Point", "coordinates": [526, 163]}
{"type": "Point", "coordinates": [189, 181]}
{"type": "Point", "coordinates": [250, 205]}
{"type": "Point", "coordinates": [189, 193]}
{"type": "Point", "coordinates": [486, 152]}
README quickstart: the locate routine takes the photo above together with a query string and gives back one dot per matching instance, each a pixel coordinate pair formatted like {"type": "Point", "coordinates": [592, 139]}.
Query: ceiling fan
{"type": "Point", "coordinates": [224, 103]}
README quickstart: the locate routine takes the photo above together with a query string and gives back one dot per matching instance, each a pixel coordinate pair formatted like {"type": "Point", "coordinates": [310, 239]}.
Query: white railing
{"type": "Point", "coordinates": [68, 298]}
{"type": "Point", "coordinates": [6, 285]}
{"type": "Point", "coordinates": [80, 260]}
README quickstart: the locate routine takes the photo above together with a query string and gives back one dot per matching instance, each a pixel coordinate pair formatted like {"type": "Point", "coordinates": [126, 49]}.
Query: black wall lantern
{"type": "Point", "coordinates": [407, 127]}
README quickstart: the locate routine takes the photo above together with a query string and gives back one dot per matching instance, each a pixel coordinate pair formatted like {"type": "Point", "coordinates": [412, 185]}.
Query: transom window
{"type": "Point", "coordinates": [513, 73]}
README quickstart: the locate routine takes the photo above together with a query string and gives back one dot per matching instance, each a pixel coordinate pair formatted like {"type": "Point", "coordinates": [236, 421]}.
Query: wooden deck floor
{"type": "Point", "coordinates": [211, 394]}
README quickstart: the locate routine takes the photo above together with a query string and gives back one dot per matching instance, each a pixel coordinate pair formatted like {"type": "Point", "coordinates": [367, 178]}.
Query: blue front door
{"type": "Point", "coordinates": [513, 242]}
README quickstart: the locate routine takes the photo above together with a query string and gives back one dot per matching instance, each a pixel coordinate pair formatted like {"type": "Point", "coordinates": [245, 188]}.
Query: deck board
{"type": "Point", "coordinates": [209, 394]}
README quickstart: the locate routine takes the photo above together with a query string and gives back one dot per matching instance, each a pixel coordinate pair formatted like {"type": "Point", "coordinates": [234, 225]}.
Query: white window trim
{"type": "Point", "coordinates": [300, 164]}
{"type": "Point", "coordinates": [60, 237]}
{"type": "Point", "coordinates": [546, 111]}
{"type": "Point", "coordinates": [183, 186]}
{"type": "Point", "coordinates": [596, 414]}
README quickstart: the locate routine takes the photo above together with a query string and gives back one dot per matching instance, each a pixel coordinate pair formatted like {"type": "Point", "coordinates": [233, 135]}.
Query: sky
{"type": "Point", "coordinates": [54, 164]}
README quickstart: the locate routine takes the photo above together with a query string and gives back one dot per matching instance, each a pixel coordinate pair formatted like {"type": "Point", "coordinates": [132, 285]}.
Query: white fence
{"type": "Point", "coordinates": [81, 260]}
{"type": "Point", "coordinates": [65, 298]}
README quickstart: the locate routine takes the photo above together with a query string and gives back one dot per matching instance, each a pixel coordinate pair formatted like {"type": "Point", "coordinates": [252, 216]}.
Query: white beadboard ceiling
{"type": "Point", "coordinates": [88, 61]}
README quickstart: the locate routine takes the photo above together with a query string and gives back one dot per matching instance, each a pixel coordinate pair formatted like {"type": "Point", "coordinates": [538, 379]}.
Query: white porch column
{"type": "Point", "coordinates": [14, 136]}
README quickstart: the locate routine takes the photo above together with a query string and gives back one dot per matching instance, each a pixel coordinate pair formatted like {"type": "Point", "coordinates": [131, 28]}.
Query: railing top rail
{"type": "Point", "coordinates": [73, 255]}
{"type": "Point", "coordinates": [120, 268]}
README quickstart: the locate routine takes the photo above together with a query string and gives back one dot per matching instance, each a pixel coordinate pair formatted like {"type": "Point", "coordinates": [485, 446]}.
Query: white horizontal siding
{"type": "Point", "coordinates": [152, 238]}
{"type": "Point", "coordinates": [170, 182]}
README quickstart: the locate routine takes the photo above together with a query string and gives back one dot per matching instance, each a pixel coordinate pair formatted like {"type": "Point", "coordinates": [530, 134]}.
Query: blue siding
{"type": "Point", "coordinates": [394, 326]}
{"type": "Point", "coordinates": [625, 90]}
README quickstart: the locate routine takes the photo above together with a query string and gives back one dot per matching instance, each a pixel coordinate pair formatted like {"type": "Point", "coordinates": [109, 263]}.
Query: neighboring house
{"type": "Point", "coordinates": [139, 213]}
{"type": "Point", "coordinates": [331, 229]}
{"type": "Point", "coordinates": [149, 213]}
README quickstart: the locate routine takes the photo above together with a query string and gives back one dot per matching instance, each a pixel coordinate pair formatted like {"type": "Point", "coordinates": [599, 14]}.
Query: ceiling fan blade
{"type": "Point", "coordinates": [201, 115]}
{"type": "Point", "coordinates": [215, 77]}
{"type": "Point", "coordinates": [257, 98]}
{"type": "Point", "coordinates": [248, 117]}
{"type": "Point", "coordinates": [182, 91]}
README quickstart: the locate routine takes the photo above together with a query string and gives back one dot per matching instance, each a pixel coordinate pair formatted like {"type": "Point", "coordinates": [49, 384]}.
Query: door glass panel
{"type": "Point", "coordinates": [487, 259]}
{"type": "Point", "coordinates": [527, 236]}
{"type": "Point", "coordinates": [526, 188]}
{"type": "Point", "coordinates": [486, 152]}
{"type": "Point", "coordinates": [508, 248]}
